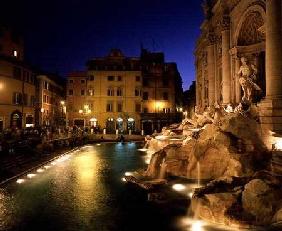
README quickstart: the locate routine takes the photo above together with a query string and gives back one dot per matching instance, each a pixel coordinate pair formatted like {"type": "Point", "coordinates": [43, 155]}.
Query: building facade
{"type": "Point", "coordinates": [162, 92]}
{"type": "Point", "coordinates": [28, 98]}
{"type": "Point", "coordinates": [234, 29]}
{"type": "Point", "coordinates": [117, 93]}
{"type": "Point", "coordinates": [17, 83]}
{"type": "Point", "coordinates": [189, 100]}
{"type": "Point", "coordinates": [51, 105]}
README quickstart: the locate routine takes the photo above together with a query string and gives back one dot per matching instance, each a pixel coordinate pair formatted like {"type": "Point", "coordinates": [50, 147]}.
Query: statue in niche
{"type": "Point", "coordinates": [247, 77]}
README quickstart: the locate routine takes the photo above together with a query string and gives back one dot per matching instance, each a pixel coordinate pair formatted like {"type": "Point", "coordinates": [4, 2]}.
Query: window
{"type": "Point", "coordinates": [145, 96]}
{"type": "Point", "coordinates": [109, 107]}
{"type": "Point", "coordinates": [70, 92]}
{"type": "Point", "coordinates": [17, 73]}
{"type": "Point", "coordinates": [15, 53]}
{"type": "Point", "coordinates": [119, 78]}
{"type": "Point", "coordinates": [165, 96]}
{"type": "Point", "coordinates": [166, 110]}
{"type": "Point", "coordinates": [137, 107]}
{"type": "Point", "coordinates": [71, 81]}
{"type": "Point", "coordinates": [110, 92]}
{"type": "Point", "coordinates": [82, 81]}
{"type": "Point", "coordinates": [46, 85]}
{"type": "Point", "coordinates": [91, 77]}
{"type": "Point", "coordinates": [17, 98]}
{"type": "Point", "coordinates": [137, 92]}
{"type": "Point", "coordinates": [145, 110]}
{"type": "Point", "coordinates": [111, 78]}
{"type": "Point", "coordinates": [119, 107]}
{"type": "Point", "coordinates": [90, 92]}
{"type": "Point", "coordinates": [137, 78]}
{"type": "Point", "coordinates": [119, 91]}
{"type": "Point", "coordinates": [82, 92]}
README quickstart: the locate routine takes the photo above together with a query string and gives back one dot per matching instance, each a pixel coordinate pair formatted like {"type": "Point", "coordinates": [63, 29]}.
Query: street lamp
{"type": "Point", "coordinates": [62, 102]}
{"type": "Point", "coordinates": [42, 111]}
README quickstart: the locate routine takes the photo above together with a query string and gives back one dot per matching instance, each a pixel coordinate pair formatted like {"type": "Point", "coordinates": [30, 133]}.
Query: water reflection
{"type": "Point", "coordinates": [86, 192]}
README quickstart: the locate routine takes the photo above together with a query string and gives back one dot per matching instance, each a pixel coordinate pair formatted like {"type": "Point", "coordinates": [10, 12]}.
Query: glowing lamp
{"type": "Point", "coordinates": [31, 175]}
{"type": "Point", "coordinates": [128, 174]}
{"type": "Point", "coordinates": [178, 187]}
{"type": "Point", "coordinates": [20, 181]}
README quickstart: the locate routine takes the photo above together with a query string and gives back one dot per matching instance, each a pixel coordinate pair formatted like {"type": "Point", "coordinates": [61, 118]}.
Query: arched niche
{"type": "Point", "coordinates": [247, 31]}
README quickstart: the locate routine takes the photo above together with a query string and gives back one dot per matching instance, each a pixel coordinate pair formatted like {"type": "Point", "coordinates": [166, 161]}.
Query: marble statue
{"type": "Point", "coordinates": [247, 77]}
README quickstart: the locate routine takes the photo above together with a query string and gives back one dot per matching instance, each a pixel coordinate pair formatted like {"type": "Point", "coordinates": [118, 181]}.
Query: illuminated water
{"type": "Point", "coordinates": [84, 191]}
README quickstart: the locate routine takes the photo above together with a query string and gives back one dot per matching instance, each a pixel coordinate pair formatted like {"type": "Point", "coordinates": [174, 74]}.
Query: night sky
{"type": "Point", "coordinates": [61, 35]}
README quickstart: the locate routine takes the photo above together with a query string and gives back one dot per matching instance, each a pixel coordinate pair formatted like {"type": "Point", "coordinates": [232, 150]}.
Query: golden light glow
{"type": "Point", "coordinates": [62, 102]}
{"type": "Point", "coordinates": [123, 179]}
{"type": "Point", "coordinates": [31, 175]}
{"type": "Point", "coordinates": [47, 166]}
{"type": "Point", "coordinates": [128, 174]}
{"type": "Point", "coordinates": [40, 170]}
{"type": "Point", "coordinates": [278, 144]}
{"type": "Point", "coordinates": [20, 181]}
{"type": "Point", "coordinates": [197, 226]}
{"type": "Point", "coordinates": [178, 187]}
{"type": "Point", "coordinates": [1, 86]}
{"type": "Point", "coordinates": [80, 111]}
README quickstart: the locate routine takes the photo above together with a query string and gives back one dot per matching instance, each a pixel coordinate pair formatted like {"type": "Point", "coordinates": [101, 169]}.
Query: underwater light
{"type": "Point", "coordinates": [179, 187]}
{"type": "Point", "coordinates": [20, 181]}
{"type": "Point", "coordinates": [31, 175]}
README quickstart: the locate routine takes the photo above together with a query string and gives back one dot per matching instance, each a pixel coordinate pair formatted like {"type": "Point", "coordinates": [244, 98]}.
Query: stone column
{"type": "Point", "coordinates": [237, 84]}
{"type": "Point", "coordinates": [226, 62]}
{"type": "Point", "coordinates": [211, 73]}
{"type": "Point", "coordinates": [271, 106]}
{"type": "Point", "coordinates": [273, 49]}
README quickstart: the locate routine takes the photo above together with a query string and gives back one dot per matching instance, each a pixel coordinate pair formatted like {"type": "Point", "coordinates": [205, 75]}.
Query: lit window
{"type": "Point", "coordinates": [110, 92]}
{"type": "Point", "coordinates": [109, 107]}
{"type": "Point", "coordinates": [15, 53]}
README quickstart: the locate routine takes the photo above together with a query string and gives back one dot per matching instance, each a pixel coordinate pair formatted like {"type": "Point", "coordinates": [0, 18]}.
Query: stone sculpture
{"type": "Point", "coordinates": [247, 77]}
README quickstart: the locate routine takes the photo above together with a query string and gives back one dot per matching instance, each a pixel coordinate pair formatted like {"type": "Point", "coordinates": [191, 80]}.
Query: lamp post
{"type": "Point", "coordinates": [84, 111]}
{"type": "Point", "coordinates": [42, 113]}
{"type": "Point", "coordinates": [62, 105]}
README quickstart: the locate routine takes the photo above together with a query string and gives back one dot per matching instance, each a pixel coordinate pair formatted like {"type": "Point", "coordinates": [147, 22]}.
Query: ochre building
{"type": "Point", "coordinates": [17, 83]}
{"type": "Point", "coordinates": [123, 94]}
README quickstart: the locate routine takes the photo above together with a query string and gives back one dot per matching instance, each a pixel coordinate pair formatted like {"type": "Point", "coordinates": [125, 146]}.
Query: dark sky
{"type": "Point", "coordinates": [61, 35]}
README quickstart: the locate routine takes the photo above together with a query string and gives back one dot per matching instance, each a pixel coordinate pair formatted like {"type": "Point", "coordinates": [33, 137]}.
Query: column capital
{"type": "Point", "coordinates": [211, 38]}
{"type": "Point", "coordinates": [225, 22]}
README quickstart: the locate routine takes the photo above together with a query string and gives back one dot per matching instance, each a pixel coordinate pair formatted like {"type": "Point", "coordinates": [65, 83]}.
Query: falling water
{"type": "Point", "coordinates": [163, 170]}
{"type": "Point", "coordinates": [198, 173]}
